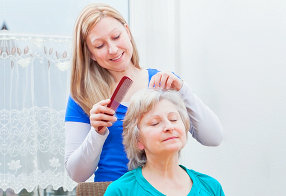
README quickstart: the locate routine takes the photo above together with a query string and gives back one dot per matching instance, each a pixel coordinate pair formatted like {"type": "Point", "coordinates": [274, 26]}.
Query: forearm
{"type": "Point", "coordinates": [83, 149]}
{"type": "Point", "coordinates": [206, 127]}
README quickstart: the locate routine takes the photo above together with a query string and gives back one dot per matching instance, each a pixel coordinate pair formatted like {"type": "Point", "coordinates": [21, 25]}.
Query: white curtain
{"type": "Point", "coordinates": [34, 83]}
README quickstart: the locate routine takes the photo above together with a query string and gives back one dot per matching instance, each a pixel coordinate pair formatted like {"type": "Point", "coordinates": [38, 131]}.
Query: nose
{"type": "Point", "coordinates": [168, 126]}
{"type": "Point", "coordinates": [112, 48]}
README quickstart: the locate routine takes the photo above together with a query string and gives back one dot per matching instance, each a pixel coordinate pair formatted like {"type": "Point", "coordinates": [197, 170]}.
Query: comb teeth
{"type": "Point", "coordinates": [120, 92]}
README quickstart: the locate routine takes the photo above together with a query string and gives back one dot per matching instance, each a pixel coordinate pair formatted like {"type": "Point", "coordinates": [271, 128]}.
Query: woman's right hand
{"type": "Point", "coordinates": [101, 116]}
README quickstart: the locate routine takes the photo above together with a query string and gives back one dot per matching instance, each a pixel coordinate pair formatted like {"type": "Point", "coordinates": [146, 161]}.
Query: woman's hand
{"type": "Point", "coordinates": [166, 80]}
{"type": "Point", "coordinates": [101, 116]}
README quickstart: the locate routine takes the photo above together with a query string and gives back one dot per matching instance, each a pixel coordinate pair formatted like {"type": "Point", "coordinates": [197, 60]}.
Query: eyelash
{"type": "Point", "coordinates": [172, 120]}
{"type": "Point", "coordinates": [115, 38]}
{"type": "Point", "coordinates": [98, 47]}
{"type": "Point", "coordinates": [154, 124]}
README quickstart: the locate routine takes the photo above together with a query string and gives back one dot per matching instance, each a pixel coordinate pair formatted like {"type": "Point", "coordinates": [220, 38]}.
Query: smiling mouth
{"type": "Point", "coordinates": [170, 138]}
{"type": "Point", "coordinates": [117, 58]}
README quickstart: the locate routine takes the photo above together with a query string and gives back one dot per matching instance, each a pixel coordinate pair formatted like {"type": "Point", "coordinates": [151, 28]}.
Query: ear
{"type": "Point", "coordinates": [128, 30]}
{"type": "Point", "coordinates": [140, 145]}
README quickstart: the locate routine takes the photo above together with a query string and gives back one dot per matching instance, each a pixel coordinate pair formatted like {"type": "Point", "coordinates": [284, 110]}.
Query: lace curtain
{"type": "Point", "coordinates": [34, 83]}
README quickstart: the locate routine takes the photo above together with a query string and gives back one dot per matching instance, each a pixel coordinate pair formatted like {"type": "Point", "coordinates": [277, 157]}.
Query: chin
{"type": "Point", "coordinates": [174, 148]}
{"type": "Point", "coordinates": [123, 67]}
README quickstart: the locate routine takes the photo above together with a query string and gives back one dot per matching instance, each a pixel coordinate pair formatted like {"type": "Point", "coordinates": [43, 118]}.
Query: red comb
{"type": "Point", "coordinates": [119, 93]}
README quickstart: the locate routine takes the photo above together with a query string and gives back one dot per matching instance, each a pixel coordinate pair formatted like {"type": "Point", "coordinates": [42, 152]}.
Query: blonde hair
{"type": "Point", "coordinates": [142, 102]}
{"type": "Point", "coordinates": [90, 82]}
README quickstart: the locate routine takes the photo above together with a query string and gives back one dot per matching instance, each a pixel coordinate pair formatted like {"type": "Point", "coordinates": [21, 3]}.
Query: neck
{"type": "Point", "coordinates": [167, 176]}
{"type": "Point", "coordinates": [167, 166]}
{"type": "Point", "coordinates": [130, 72]}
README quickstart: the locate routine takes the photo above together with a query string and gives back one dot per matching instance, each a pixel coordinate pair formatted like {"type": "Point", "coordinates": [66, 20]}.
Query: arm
{"type": "Point", "coordinates": [83, 147]}
{"type": "Point", "coordinates": [205, 125]}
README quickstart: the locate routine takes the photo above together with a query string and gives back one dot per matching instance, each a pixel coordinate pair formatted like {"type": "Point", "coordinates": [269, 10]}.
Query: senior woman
{"type": "Point", "coordinates": [155, 131]}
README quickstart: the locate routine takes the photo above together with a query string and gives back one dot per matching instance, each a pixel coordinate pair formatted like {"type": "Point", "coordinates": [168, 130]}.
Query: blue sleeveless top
{"type": "Point", "coordinates": [113, 159]}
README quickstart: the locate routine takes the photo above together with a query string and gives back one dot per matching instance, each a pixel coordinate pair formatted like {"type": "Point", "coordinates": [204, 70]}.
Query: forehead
{"type": "Point", "coordinates": [105, 26]}
{"type": "Point", "coordinates": [163, 107]}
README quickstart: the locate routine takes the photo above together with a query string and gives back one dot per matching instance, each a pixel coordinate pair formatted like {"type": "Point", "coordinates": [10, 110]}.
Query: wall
{"type": "Point", "coordinates": [154, 32]}
{"type": "Point", "coordinates": [232, 53]}
{"type": "Point", "coordinates": [48, 17]}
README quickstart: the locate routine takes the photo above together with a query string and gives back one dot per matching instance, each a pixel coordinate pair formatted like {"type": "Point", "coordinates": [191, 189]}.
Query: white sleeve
{"type": "Point", "coordinates": [205, 125]}
{"type": "Point", "coordinates": [83, 147]}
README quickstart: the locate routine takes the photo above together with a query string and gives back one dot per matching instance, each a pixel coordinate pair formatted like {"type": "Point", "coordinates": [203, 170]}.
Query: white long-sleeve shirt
{"type": "Point", "coordinates": [83, 144]}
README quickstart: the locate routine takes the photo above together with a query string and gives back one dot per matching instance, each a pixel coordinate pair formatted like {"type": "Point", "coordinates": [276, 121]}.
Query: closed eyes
{"type": "Point", "coordinates": [98, 47]}
{"type": "Point", "coordinates": [117, 37]}
{"type": "Point", "coordinates": [114, 38]}
{"type": "Point", "coordinates": [154, 123]}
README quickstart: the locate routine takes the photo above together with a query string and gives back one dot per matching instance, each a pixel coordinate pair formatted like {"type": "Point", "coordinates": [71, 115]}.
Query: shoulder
{"type": "Point", "coordinates": [204, 182]}
{"type": "Point", "coordinates": [152, 71]}
{"type": "Point", "coordinates": [208, 183]}
{"type": "Point", "coordinates": [123, 185]}
{"type": "Point", "coordinates": [206, 179]}
{"type": "Point", "coordinates": [75, 113]}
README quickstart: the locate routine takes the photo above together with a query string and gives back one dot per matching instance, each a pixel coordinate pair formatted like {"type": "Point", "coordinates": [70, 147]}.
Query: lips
{"type": "Point", "coordinates": [118, 57]}
{"type": "Point", "coordinates": [170, 138]}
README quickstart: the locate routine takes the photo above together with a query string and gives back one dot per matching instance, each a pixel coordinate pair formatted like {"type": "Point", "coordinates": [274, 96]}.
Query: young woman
{"type": "Point", "coordinates": [103, 52]}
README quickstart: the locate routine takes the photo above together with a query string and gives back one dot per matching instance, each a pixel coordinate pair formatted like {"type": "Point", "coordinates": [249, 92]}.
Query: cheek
{"type": "Point", "coordinates": [185, 137]}
{"type": "Point", "coordinates": [150, 136]}
{"type": "Point", "coordinates": [155, 136]}
{"type": "Point", "coordinates": [126, 43]}
{"type": "Point", "coordinates": [100, 54]}
{"type": "Point", "coordinates": [183, 131]}
{"type": "Point", "coordinates": [130, 47]}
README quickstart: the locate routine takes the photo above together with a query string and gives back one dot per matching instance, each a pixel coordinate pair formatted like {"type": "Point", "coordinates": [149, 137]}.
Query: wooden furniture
{"type": "Point", "coordinates": [91, 188]}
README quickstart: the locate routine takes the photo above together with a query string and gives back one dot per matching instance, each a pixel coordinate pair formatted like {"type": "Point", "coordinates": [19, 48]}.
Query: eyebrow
{"type": "Point", "coordinates": [173, 113]}
{"type": "Point", "coordinates": [93, 39]}
{"type": "Point", "coordinates": [158, 116]}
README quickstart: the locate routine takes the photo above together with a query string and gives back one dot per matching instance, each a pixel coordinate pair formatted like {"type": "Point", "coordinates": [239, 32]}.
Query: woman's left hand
{"type": "Point", "coordinates": [166, 80]}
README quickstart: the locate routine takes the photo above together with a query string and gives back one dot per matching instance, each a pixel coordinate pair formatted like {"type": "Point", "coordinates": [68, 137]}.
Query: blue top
{"type": "Point", "coordinates": [134, 183]}
{"type": "Point", "coordinates": [113, 159]}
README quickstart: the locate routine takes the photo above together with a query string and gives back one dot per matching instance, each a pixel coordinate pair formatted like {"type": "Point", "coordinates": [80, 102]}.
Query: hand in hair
{"type": "Point", "coordinates": [101, 116]}
{"type": "Point", "coordinates": [166, 80]}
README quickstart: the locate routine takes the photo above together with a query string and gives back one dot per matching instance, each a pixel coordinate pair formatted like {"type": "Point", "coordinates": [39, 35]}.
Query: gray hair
{"type": "Point", "coordinates": [142, 102]}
